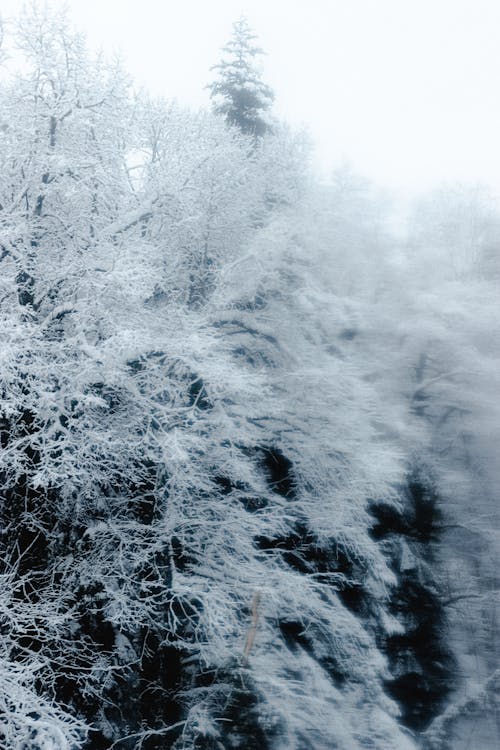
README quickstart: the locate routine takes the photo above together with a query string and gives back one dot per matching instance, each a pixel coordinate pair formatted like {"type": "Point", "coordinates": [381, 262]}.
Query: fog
{"type": "Point", "coordinates": [406, 91]}
{"type": "Point", "coordinates": [249, 376]}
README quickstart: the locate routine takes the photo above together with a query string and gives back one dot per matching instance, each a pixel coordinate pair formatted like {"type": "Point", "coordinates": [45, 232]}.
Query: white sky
{"type": "Point", "coordinates": [408, 90]}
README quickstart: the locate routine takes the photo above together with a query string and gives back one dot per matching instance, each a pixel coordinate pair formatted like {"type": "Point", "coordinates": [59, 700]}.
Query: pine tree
{"type": "Point", "coordinates": [238, 92]}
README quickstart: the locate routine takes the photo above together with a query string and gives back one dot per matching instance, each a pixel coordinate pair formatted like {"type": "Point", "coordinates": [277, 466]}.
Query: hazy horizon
{"type": "Point", "coordinates": [405, 92]}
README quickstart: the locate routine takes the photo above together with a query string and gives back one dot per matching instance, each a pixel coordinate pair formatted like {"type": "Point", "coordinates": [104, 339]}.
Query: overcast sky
{"type": "Point", "coordinates": [408, 90]}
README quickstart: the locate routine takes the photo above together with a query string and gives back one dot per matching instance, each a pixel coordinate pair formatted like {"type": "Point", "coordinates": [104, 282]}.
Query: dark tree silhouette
{"type": "Point", "coordinates": [238, 92]}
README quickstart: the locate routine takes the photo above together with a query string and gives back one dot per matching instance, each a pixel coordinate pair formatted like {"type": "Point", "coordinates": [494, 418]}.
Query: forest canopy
{"type": "Point", "coordinates": [248, 435]}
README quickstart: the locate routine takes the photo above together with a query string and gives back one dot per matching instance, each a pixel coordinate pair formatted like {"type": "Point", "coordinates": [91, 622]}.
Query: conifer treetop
{"type": "Point", "coordinates": [238, 92]}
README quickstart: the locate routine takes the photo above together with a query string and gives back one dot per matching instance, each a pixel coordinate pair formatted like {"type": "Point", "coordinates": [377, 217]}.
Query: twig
{"type": "Point", "coordinates": [253, 627]}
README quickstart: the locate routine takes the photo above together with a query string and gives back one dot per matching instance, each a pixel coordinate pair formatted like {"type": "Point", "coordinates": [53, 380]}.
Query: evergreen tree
{"type": "Point", "coordinates": [238, 92]}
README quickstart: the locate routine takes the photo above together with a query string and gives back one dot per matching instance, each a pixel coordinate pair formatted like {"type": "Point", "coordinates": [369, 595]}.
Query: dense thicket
{"type": "Point", "coordinates": [234, 439]}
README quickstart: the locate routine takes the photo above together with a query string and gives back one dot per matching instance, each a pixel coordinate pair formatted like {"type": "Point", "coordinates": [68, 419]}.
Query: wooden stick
{"type": "Point", "coordinates": [253, 627]}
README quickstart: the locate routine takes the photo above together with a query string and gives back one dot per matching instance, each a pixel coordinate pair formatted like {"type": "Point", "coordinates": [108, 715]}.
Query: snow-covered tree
{"type": "Point", "coordinates": [223, 445]}
{"type": "Point", "coordinates": [238, 91]}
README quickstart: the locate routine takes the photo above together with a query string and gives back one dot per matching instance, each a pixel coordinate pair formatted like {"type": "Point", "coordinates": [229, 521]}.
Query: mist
{"type": "Point", "coordinates": [249, 373]}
